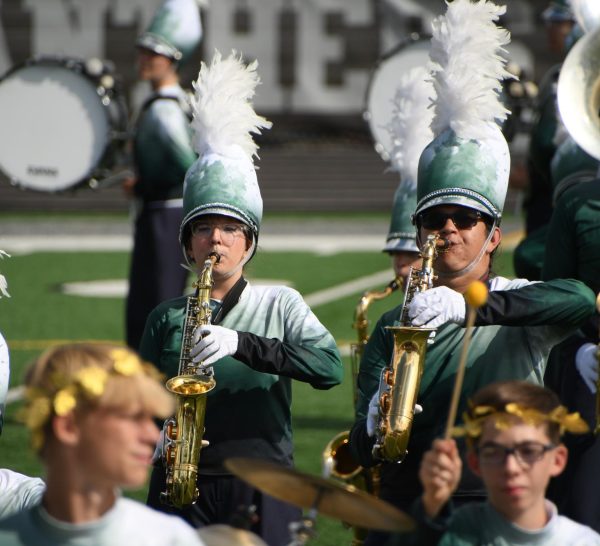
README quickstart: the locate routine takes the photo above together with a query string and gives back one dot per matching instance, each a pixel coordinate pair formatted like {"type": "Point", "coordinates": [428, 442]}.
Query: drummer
{"type": "Point", "coordinates": [461, 187]}
{"type": "Point", "coordinates": [162, 153]}
{"type": "Point", "coordinates": [260, 337]}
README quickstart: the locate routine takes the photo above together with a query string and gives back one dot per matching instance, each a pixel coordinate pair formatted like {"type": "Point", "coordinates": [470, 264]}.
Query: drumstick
{"type": "Point", "coordinates": [475, 296]}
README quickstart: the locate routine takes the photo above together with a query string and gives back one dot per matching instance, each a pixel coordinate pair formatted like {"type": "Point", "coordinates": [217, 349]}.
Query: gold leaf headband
{"type": "Point", "coordinates": [89, 382]}
{"type": "Point", "coordinates": [473, 420]}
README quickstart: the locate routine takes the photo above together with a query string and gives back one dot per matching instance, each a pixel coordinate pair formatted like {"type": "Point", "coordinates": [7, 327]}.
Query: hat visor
{"type": "Point", "coordinates": [401, 244]}
{"type": "Point", "coordinates": [557, 15]}
{"type": "Point", "coordinates": [460, 200]}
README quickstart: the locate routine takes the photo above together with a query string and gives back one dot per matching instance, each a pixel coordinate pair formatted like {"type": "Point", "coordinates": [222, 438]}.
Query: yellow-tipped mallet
{"type": "Point", "coordinates": [475, 296]}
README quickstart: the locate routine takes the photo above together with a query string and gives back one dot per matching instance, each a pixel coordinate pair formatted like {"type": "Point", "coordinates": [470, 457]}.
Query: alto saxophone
{"type": "Point", "coordinates": [400, 380]}
{"type": "Point", "coordinates": [337, 460]}
{"type": "Point", "coordinates": [183, 433]}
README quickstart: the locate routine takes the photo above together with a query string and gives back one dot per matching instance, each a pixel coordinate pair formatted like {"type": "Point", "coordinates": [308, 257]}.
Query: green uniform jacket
{"type": "Point", "coordinates": [514, 333]}
{"type": "Point", "coordinates": [574, 236]}
{"type": "Point", "coordinates": [163, 146]}
{"type": "Point", "coordinates": [279, 339]}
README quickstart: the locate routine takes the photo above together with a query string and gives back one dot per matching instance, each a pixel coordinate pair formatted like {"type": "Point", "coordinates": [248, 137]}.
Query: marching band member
{"type": "Point", "coordinates": [461, 187]}
{"type": "Point", "coordinates": [261, 337]}
{"type": "Point", "coordinates": [544, 137]}
{"type": "Point", "coordinates": [513, 432]}
{"type": "Point", "coordinates": [410, 133]}
{"type": "Point", "coordinates": [575, 253]}
{"type": "Point", "coordinates": [17, 491]}
{"type": "Point", "coordinates": [162, 153]}
{"type": "Point", "coordinates": [90, 410]}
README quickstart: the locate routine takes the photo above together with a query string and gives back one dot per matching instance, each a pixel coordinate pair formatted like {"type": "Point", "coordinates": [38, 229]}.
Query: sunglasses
{"type": "Point", "coordinates": [462, 219]}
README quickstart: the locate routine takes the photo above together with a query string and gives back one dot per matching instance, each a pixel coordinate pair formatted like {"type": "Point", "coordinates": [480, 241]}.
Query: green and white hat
{"type": "Point", "coordinates": [558, 11]}
{"type": "Point", "coordinates": [468, 161]}
{"type": "Point", "coordinates": [223, 178]}
{"type": "Point", "coordinates": [409, 132]}
{"type": "Point", "coordinates": [571, 165]}
{"type": "Point", "coordinates": [175, 30]}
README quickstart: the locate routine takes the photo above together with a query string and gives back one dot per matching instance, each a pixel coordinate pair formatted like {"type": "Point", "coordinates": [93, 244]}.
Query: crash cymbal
{"type": "Point", "coordinates": [336, 500]}
{"type": "Point", "coordinates": [225, 535]}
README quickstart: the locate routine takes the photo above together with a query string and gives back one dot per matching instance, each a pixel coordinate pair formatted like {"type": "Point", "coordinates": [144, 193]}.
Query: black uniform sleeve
{"type": "Point", "coordinates": [564, 302]}
{"type": "Point", "coordinates": [319, 366]}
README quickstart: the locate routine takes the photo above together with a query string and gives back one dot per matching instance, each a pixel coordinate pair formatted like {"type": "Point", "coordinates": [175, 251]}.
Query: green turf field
{"type": "Point", "coordinates": [38, 314]}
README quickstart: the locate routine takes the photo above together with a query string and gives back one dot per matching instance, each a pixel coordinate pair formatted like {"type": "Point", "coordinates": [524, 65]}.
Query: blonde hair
{"type": "Point", "coordinates": [88, 376]}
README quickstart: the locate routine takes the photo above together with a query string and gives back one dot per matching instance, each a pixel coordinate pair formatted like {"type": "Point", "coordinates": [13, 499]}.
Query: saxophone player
{"type": "Point", "coordinates": [260, 338]}
{"type": "Point", "coordinates": [461, 188]}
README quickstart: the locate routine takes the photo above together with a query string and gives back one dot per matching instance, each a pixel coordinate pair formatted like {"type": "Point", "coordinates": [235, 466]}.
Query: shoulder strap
{"type": "Point", "coordinates": [230, 300]}
{"type": "Point", "coordinates": [185, 107]}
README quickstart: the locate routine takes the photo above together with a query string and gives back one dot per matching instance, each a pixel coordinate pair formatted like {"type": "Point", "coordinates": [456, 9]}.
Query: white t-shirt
{"type": "Point", "coordinates": [127, 523]}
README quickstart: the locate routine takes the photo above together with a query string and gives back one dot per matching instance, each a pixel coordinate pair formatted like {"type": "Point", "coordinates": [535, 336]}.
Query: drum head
{"type": "Point", "coordinates": [382, 89]}
{"type": "Point", "coordinates": [54, 127]}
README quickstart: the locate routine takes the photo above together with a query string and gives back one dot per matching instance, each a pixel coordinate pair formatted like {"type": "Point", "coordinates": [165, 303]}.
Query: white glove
{"type": "Point", "coordinates": [586, 363]}
{"type": "Point", "coordinates": [211, 343]}
{"type": "Point", "coordinates": [437, 306]}
{"type": "Point", "coordinates": [373, 414]}
{"type": "Point", "coordinates": [159, 450]}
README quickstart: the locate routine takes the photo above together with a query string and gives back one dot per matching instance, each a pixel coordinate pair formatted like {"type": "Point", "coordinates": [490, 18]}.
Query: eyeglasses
{"type": "Point", "coordinates": [526, 453]}
{"type": "Point", "coordinates": [229, 232]}
{"type": "Point", "coordinates": [436, 219]}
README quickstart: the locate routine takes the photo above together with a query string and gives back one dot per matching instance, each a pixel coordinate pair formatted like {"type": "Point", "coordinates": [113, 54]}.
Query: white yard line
{"type": "Point", "coordinates": [340, 291]}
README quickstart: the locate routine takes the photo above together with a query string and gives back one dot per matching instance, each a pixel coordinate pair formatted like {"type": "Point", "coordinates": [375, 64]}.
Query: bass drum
{"type": "Point", "coordinates": [63, 122]}
{"type": "Point", "coordinates": [382, 86]}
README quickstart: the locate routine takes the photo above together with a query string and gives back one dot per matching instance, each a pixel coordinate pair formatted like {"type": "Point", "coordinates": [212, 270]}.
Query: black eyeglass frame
{"type": "Point", "coordinates": [515, 451]}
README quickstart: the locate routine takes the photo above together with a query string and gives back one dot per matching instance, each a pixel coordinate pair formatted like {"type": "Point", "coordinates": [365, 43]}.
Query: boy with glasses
{"type": "Point", "coordinates": [513, 431]}
{"type": "Point", "coordinates": [461, 188]}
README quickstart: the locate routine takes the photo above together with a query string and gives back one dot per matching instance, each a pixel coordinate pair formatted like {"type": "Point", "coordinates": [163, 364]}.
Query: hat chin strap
{"type": "Point", "coordinates": [468, 268]}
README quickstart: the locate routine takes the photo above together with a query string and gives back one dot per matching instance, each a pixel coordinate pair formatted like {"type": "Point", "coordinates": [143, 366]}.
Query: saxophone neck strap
{"type": "Point", "coordinates": [230, 300]}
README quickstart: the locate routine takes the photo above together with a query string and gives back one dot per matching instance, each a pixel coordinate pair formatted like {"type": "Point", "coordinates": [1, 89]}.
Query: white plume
{"type": "Point", "coordinates": [222, 108]}
{"type": "Point", "coordinates": [467, 53]}
{"type": "Point", "coordinates": [3, 283]}
{"type": "Point", "coordinates": [410, 128]}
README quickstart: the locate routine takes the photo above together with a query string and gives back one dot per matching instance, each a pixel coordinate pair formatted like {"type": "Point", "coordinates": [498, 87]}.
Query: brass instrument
{"type": "Point", "coordinates": [183, 433]}
{"type": "Point", "coordinates": [400, 380]}
{"type": "Point", "coordinates": [337, 459]}
{"type": "Point", "coordinates": [578, 92]}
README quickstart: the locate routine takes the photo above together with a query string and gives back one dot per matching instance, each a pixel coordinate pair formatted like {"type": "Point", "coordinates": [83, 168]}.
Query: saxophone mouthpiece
{"type": "Point", "coordinates": [442, 245]}
{"type": "Point", "coordinates": [214, 255]}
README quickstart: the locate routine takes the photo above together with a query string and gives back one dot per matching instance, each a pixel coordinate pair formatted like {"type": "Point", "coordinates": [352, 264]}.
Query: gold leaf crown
{"type": "Point", "coordinates": [473, 419]}
{"type": "Point", "coordinates": [88, 383]}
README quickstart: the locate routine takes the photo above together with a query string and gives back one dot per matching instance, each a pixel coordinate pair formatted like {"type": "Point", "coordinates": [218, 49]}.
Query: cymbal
{"type": "Point", "coordinates": [225, 535]}
{"type": "Point", "coordinates": [336, 500]}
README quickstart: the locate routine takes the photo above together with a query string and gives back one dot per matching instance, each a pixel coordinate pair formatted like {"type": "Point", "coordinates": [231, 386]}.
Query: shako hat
{"type": "Point", "coordinates": [410, 132]}
{"type": "Point", "coordinates": [223, 178]}
{"type": "Point", "coordinates": [468, 161]}
{"type": "Point", "coordinates": [175, 31]}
